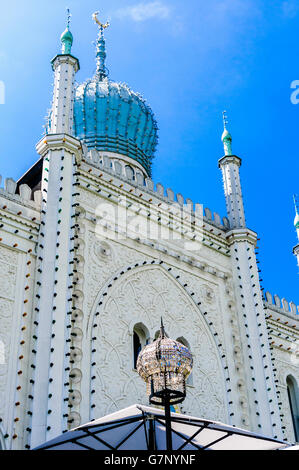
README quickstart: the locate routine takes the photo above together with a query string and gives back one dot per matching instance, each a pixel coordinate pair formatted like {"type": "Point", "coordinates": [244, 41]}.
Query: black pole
{"type": "Point", "coordinates": [167, 421]}
{"type": "Point", "coordinates": [151, 434]}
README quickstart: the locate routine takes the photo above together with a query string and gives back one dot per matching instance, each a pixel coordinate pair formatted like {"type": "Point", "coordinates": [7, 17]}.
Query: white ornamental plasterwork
{"type": "Point", "coordinates": [107, 256]}
{"type": "Point", "coordinates": [104, 258]}
{"type": "Point", "coordinates": [285, 367]}
{"type": "Point", "coordinates": [8, 274]}
{"type": "Point", "coordinates": [286, 363]}
{"type": "Point", "coordinates": [88, 200]}
{"type": "Point", "coordinates": [8, 256]}
{"type": "Point", "coordinates": [143, 295]}
{"type": "Point", "coordinates": [209, 296]}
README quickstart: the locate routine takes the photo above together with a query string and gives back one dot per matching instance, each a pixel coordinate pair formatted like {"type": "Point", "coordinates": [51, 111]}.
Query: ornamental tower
{"type": "Point", "coordinates": [296, 225]}
{"type": "Point", "coordinates": [230, 165]}
{"type": "Point", "coordinates": [65, 66]}
{"type": "Point", "coordinates": [261, 387]}
{"type": "Point", "coordinates": [60, 153]}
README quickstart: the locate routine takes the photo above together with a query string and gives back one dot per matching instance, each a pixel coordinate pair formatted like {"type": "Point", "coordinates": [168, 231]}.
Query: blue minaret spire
{"type": "Point", "coordinates": [67, 37]}
{"type": "Point", "coordinates": [296, 225]}
{"type": "Point", "coordinates": [101, 70]}
{"type": "Point", "coordinates": [226, 137]}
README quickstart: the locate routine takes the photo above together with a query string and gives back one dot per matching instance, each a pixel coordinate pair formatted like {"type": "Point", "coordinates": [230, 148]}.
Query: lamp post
{"type": "Point", "coordinates": [165, 365]}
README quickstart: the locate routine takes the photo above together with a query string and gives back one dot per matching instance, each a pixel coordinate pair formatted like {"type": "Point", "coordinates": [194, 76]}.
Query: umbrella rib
{"type": "Point", "coordinates": [215, 426]}
{"type": "Point", "coordinates": [82, 445]}
{"type": "Point", "coordinates": [217, 440]}
{"type": "Point", "coordinates": [129, 435]}
{"type": "Point", "coordinates": [145, 432]}
{"type": "Point", "coordinates": [179, 434]}
{"type": "Point", "coordinates": [118, 425]}
{"type": "Point", "coordinates": [192, 437]}
{"type": "Point", "coordinates": [98, 439]}
{"type": "Point", "coordinates": [115, 424]}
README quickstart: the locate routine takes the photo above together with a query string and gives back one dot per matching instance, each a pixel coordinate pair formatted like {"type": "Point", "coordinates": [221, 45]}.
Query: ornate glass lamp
{"type": "Point", "coordinates": [165, 365]}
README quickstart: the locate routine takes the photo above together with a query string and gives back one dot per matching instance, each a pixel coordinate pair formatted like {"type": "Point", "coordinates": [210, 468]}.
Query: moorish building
{"type": "Point", "coordinates": [93, 252]}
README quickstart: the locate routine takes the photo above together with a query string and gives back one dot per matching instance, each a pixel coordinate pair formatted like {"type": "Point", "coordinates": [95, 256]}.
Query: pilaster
{"type": "Point", "coordinates": [232, 189]}
{"type": "Point", "coordinates": [296, 252]}
{"type": "Point", "coordinates": [54, 288]}
{"type": "Point", "coordinates": [261, 387]}
{"type": "Point", "coordinates": [65, 67]}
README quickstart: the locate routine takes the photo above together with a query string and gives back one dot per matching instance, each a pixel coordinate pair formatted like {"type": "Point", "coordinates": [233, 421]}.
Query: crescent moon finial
{"type": "Point", "coordinates": [96, 20]}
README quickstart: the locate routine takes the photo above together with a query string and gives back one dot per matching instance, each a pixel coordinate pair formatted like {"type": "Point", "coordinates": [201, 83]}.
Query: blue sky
{"type": "Point", "coordinates": [191, 60]}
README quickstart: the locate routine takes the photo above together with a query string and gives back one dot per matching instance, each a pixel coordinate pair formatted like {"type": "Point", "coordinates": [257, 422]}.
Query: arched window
{"type": "Point", "coordinates": [140, 178]}
{"type": "Point", "coordinates": [140, 339]}
{"type": "Point", "coordinates": [185, 343]}
{"type": "Point", "coordinates": [129, 172]}
{"type": "Point", "coordinates": [294, 404]}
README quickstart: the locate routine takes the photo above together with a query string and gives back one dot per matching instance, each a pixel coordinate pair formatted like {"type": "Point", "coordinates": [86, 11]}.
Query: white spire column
{"type": "Point", "coordinates": [55, 257]}
{"type": "Point", "coordinates": [65, 67]}
{"type": "Point", "coordinates": [261, 389]}
{"type": "Point", "coordinates": [230, 165]}
{"type": "Point", "coordinates": [296, 225]}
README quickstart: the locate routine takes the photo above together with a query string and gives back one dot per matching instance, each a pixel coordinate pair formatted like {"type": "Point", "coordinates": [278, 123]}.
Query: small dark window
{"type": "Point", "coordinates": [140, 339]}
{"type": "Point", "coordinates": [137, 348]}
{"type": "Point", "coordinates": [294, 406]}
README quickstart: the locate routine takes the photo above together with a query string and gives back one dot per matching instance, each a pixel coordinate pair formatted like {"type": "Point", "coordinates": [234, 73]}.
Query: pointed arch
{"type": "Point", "coordinates": [293, 396]}
{"type": "Point", "coordinates": [156, 291]}
{"type": "Point", "coordinates": [141, 337]}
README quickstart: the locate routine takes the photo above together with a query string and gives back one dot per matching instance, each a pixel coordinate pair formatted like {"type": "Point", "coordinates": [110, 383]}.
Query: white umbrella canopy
{"type": "Point", "coordinates": [140, 427]}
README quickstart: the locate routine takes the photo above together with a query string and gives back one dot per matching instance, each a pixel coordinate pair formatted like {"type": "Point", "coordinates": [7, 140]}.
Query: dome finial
{"type": "Point", "coordinates": [226, 137]}
{"type": "Point", "coordinates": [296, 220]}
{"type": "Point", "coordinates": [295, 203]}
{"type": "Point", "coordinates": [68, 18]}
{"type": "Point", "coordinates": [224, 117]}
{"type": "Point", "coordinates": [162, 330]}
{"type": "Point", "coordinates": [67, 37]}
{"type": "Point", "coordinates": [101, 71]}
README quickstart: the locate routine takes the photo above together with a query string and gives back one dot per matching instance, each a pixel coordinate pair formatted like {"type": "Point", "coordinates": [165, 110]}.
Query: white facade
{"type": "Point", "coordinates": [79, 274]}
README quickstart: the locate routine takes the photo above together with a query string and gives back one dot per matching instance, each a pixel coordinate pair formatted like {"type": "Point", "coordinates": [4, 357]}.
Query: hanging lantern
{"type": "Point", "coordinates": [165, 365]}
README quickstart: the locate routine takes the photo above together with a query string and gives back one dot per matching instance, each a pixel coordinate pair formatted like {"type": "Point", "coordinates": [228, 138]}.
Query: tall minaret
{"type": "Point", "coordinates": [229, 165]}
{"type": "Point", "coordinates": [64, 66]}
{"type": "Point", "coordinates": [262, 401]}
{"type": "Point", "coordinates": [55, 257]}
{"type": "Point", "coordinates": [296, 224]}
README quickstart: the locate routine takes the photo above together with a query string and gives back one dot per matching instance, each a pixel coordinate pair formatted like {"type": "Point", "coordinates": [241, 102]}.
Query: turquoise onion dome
{"type": "Point", "coordinates": [67, 40]}
{"type": "Point", "coordinates": [226, 137]}
{"type": "Point", "coordinates": [227, 142]}
{"type": "Point", "coordinates": [109, 116]}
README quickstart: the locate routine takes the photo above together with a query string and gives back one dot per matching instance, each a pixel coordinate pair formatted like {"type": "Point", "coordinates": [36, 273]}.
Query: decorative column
{"type": "Point", "coordinates": [296, 225]}
{"type": "Point", "coordinates": [261, 388]}
{"type": "Point", "coordinates": [65, 67]}
{"type": "Point", "coordinates": [256, 351]}
{"type": "Point", "coordinates": [55, 258]}
{"type": "Point", "coordinates": [230, 165]}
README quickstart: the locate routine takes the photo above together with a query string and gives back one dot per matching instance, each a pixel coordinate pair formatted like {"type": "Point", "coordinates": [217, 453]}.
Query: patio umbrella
{"type": "Point", "coordinates": [140, 427]}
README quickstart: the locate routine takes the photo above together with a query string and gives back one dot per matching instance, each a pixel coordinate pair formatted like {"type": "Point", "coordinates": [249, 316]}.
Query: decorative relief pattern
{"type": "Point", "coordinates": [8, 274]}
{"type": "Point", "coordinates": [284, 368]}
{"type": "Point", "coordinates": [104, 258]}
{"type": "Point", "coordinates": [144, 295]}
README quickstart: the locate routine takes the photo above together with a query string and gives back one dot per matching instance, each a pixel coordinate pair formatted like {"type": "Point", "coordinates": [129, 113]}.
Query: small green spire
{"type": "Point", "coordinates": [296, 220]}
{"type": "Point", "coordinates": [67, 38]}
{"type": "Point", "coordinates": [226, 137]}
